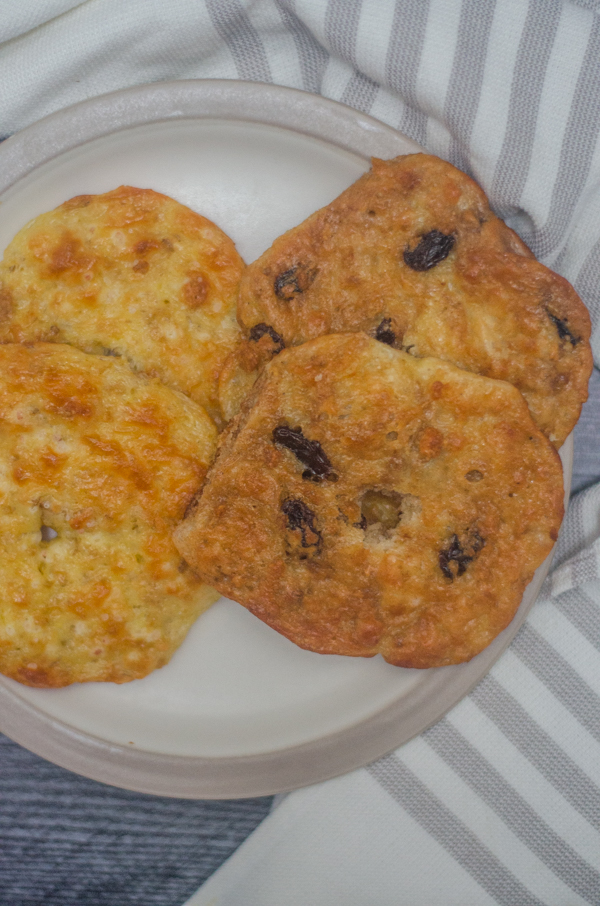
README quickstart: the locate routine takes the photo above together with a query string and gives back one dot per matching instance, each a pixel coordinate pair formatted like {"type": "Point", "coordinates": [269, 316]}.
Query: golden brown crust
{"type": "Point", "coordinates": [109, 460]}
{"type": "Point", "coordinates": [485, 304]}
{"type": "Point", "coordinates": [412, 530]}
{"type": "Point", "coordinates": [133, 272]}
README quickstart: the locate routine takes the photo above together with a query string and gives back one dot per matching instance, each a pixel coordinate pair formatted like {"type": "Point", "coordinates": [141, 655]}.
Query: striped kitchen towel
{"type": "Point", "coordinates": [498, 803]}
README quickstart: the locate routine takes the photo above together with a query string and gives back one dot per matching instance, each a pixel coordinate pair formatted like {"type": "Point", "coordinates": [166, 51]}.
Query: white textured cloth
{"type": "Point", "coordinates": [499, 803]}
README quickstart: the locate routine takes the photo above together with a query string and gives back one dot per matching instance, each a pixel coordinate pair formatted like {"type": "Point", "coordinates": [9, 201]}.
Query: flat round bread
{"type": "Point", "coordinates": [97, 464]}
{"type": "Point", "coordinates": [132, 273]}
{"type": "Point", "coordinates": [413, 255]}
{"type": "Point", "coordinates": [365, 501]}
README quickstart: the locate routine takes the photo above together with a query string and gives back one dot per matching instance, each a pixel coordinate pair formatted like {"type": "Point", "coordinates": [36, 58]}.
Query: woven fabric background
{"type": "Point", "coordinates": [502, 797]}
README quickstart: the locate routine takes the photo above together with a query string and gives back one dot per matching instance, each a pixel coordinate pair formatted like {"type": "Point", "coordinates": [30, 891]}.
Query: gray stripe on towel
{"type": "Point", "coordinates": [232, 22]}
{"type": "Point", "coordinates": [312, 57]}
{"type": "Point", "coordinates": [516, 813]}
{"type": "Point", "coordinates": [579, 143]}
{"type": "Point", "coordinates": [443, 825]}
{"type": "Point", "coordinates": [402, 63]}
{"type": "Point", "coordinates": [539, 748]}
{"type": "Point", "coordinates": [464, 88]}
{"type": "Point", "coordinates": [559, 677]}
{"type": "Point", "coordinates": [535, 46]}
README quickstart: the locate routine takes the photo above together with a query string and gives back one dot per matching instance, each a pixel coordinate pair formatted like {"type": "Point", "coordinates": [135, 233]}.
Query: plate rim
{"type": "Point", "coordinates": [193, 777]}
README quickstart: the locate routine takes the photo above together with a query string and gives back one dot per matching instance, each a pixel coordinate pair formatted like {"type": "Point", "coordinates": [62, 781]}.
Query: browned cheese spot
{"type": "Point", "coordinates": [430, 443]}
{"type": "Point", "coordinates": [32, 675]}
{"type": "Point", "coordinates": [195, 291]}
{"type": "Point", "coordinates": [6, 303]}
{"type": "Point", "coordinates": [83, 519]}
{"type": "Point", "coordinates": [146, 245]}
{"type": "Point", "coordinates": [409, 180]}
{"type": "Point", "coordinates": [68, 255]}
{"type": "Point", "coordinates": [70, 407]}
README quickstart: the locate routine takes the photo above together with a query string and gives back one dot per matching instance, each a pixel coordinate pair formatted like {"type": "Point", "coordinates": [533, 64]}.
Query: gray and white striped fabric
{"type": "Point", "coordinates": [499, 803]}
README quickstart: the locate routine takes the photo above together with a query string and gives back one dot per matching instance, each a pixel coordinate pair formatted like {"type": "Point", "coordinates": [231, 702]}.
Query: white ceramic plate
{"type": "Point", "coordinates": [239, 711]}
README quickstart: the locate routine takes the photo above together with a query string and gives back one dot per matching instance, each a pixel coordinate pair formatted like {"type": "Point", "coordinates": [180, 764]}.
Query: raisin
{"type": "Point", "coordinates": [384, 332]}
{"type": "Point", "coordinates": [259, 330]}
{"type": "Point", "coordinates": [309, 452]}
{"type": "Point", "coordinates": [456, 553]}
{"type": "Point", "coordinates": [477, 542]}
{"type": "Point", "coordinates": [433, 248]}
{"type": "Point", "coordinates": [301, 517]}
{"type": "Point", "coordinates": [563, 331]}
{"type": "Point", "coordinates": [453, 553]}
{"type": "Point", "coordinates": [294, 281]}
